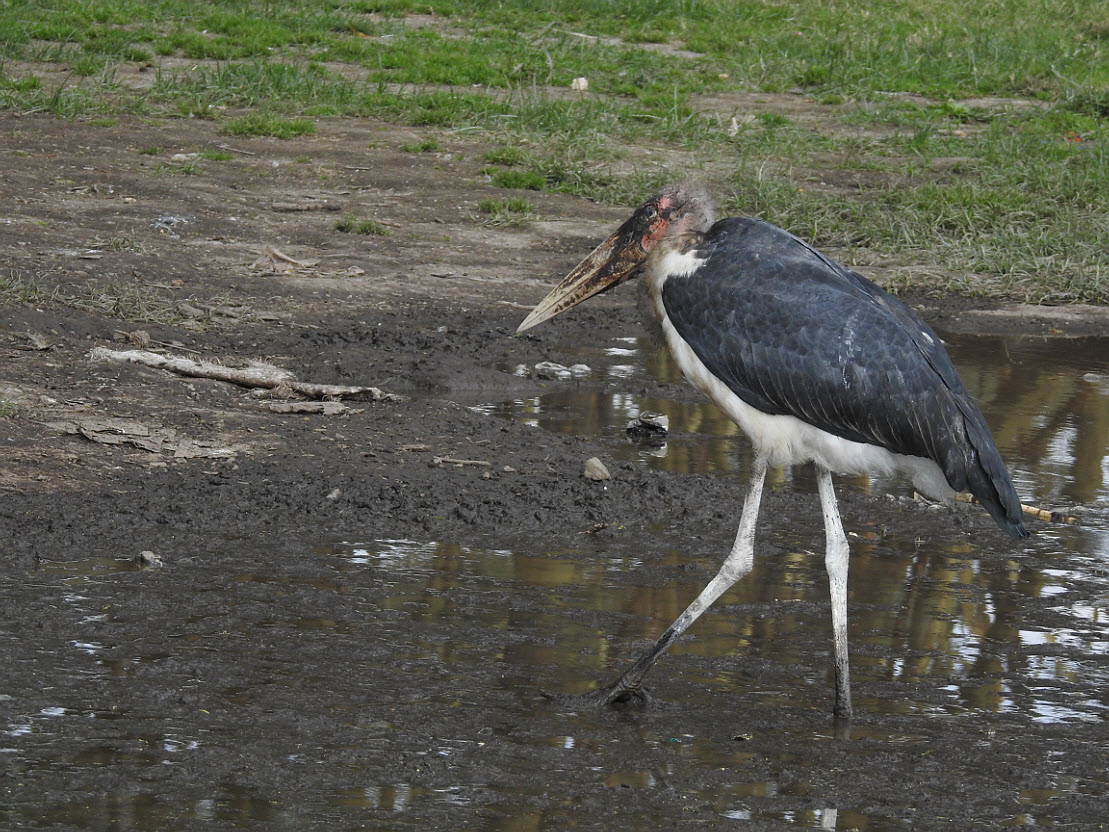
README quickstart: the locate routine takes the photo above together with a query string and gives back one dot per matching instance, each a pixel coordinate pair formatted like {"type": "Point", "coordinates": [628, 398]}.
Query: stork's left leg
{"type": "Point", "coordinates": [836, 555]}
{"type": "Point", "coordinates": [738, 564]}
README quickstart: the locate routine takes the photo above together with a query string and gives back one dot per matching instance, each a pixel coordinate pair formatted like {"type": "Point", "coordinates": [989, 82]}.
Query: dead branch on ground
{"type": "Point", "coordinates": [257, 375]}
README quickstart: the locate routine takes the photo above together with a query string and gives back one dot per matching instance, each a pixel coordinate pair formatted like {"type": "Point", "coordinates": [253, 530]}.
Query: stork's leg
{"type": "Point", "coordinates": [735, 566]}
{"type": "Point", "coordinates": [836, 556]}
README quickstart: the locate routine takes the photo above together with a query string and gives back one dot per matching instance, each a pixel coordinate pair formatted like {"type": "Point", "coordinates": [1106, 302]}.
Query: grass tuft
{"type": "Point", "coordinates": [422, 146]}
{"type": "Point", "coordinates": [355, 225]}
{"type": "Point", "coordinates": [527, 180]}
{"type": "Point", "coordinates": [512, 212]}
{"type": "Point", "coordinates": [263, 124]}
{"type": "Point", "coordinates": [127, 300]}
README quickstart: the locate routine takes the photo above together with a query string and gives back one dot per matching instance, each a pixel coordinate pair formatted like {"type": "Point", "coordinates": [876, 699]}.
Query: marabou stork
{"type": "Point", "coordinates": [814, 363]}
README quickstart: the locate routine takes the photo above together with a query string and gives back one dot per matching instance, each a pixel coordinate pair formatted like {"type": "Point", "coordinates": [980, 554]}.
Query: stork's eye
{"type": "Point", "coordinates": [650, 212]}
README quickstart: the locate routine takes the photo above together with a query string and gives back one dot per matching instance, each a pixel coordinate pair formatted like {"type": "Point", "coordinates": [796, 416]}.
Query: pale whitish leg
{"type": "Point", "coordinates": [738, 563]}
{"type": "Point", "coordinates": [836, 557]}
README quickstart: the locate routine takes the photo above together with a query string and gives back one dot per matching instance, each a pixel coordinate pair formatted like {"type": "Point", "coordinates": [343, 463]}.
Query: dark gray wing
{"type": "Point", "coordinates": [791, 331]}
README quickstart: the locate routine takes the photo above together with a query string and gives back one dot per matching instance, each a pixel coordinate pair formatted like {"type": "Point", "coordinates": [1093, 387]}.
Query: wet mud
{"type": "Point", "coordinates": [349, 621]}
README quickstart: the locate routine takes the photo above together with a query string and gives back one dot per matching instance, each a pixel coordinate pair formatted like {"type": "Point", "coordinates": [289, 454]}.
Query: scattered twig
{"type": "Point", "coordinates": [1049, 516]}
{"type": "Point", "coordinates": [1032, 511]}
{"type": "Point", "coordinates": [447, 460]}
{"type": "Point", "coordinates": [271, 259]}
{"type": "Point", "coordinates": [228, 147]}
{"type": "Point", "coordinates": [308, 204]}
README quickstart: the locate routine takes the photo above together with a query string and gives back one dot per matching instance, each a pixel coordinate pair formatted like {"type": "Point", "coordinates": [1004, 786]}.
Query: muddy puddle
{"type": "Point", "coordinates": [395, 684]}
{"type": "Point", "coordinates": [1046, 399]}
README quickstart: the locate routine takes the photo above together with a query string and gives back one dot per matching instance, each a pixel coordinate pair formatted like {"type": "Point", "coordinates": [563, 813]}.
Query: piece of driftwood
{"type": "Point", "coordinates": [323, 408]}
{"type": "Point", "coordinates": [257, 374]}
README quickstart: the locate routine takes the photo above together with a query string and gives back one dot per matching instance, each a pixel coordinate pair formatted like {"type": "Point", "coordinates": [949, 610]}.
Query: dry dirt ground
{"type": "Point", "coordinates": [101, 460]}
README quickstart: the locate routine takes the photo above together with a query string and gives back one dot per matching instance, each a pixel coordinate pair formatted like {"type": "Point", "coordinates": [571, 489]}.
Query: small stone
{"type": "Point", "coordinates": [580, 370]}
{"type": "Point", "coordinates": [580, 84]}
{"type": "Point", "coordinates": [649, 424]}
{"type": "Point", "coordinates": [334, 495]}
{"type": "Point", "coordinates": [595, 470]}
{"type": "Point", "coordinates": [148, 558]}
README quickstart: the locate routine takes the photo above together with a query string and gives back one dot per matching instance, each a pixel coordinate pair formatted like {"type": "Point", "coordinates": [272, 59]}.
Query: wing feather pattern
{"type": "Point", "coordinates": [792, 332]}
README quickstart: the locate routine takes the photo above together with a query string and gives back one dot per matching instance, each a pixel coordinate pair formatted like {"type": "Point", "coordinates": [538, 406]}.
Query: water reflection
{"type": "Point", "coordinates": [925, 616]}
{"type": "Point", "coordinates": [1046, 399]}
{"type": "Point", "coordinates": [934, 618]}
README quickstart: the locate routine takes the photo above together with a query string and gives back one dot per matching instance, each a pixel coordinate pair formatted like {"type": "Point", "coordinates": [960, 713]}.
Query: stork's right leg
{"type": "Point", "coordinates": [836, 557]}
{"type": "Point", "coordinates": [738, 563]}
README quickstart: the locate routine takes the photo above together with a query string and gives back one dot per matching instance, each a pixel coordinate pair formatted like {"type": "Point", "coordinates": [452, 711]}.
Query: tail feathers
{"type": "Point", "coordinates": [986, 476]}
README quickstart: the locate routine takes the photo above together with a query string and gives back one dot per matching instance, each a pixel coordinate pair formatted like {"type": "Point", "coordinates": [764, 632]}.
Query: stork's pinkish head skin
{"type": "Point", "coordinates": [680, 210]}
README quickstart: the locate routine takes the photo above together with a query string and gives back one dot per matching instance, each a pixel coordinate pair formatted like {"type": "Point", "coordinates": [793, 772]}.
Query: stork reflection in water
{"type": "Point", "coordinates": [814, 363]}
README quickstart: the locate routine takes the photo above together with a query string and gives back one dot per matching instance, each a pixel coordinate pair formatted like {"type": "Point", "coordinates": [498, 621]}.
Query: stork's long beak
{"type": "Point", "coordinates": [612, 262]}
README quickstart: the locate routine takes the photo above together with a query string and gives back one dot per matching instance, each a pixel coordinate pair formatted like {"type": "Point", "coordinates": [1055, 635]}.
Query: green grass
{"type": "Point", "coordinates": [1022, 212]}
{"type": "Point", "coordinates": [953, 48]}
{"type": "Point", "coordinates": [519, 179]}
{"type": "Point", "coordinates": [356, 225]}
{"type": "Point", "coordinates": [512, 212]}
{"type": "Point", "coordinates": [423, 146]}
{"type": "Point", "coordinates": [993, 200]}
{"type": "Point", "coordinates": [263, 124]}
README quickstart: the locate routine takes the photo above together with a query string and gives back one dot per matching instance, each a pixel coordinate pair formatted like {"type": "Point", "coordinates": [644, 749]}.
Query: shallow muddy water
{"type": "Point", "coordinates": [1046, 400]}
{"type": "Point", "coordinates": [300, 682]}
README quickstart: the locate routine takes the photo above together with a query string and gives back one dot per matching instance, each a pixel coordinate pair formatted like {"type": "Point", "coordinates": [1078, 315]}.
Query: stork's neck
{"type": "Point", "coordinates": [676, 257]}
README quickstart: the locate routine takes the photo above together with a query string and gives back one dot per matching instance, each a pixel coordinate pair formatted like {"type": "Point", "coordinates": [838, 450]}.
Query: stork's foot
{"type": "Point", "coordinates": [616, 696]}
